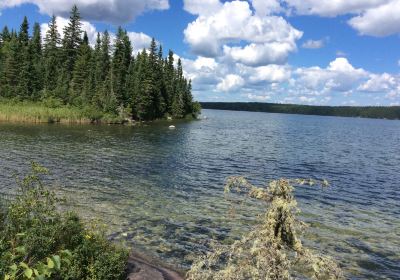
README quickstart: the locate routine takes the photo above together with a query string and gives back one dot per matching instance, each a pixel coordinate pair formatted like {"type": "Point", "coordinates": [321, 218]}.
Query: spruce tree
{"type": "Point", "coordinates": [81, 74]}
{"type": "Point", "coordinates": [120, 65]}
{"type": "Point", "coordinates": [11, 69]}
{"type": "Point", "coordinates": [25, 75]}
{"type": "Point", "coordinates": [51, 55]}
{"type": "Point", "coordinates": [38, 68]}
{"type": "Point", "coordinates": [72, 39]}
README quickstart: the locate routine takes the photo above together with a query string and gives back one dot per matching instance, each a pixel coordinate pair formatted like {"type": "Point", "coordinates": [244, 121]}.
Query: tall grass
{"type": "Point", "coordinates": [35, 112]}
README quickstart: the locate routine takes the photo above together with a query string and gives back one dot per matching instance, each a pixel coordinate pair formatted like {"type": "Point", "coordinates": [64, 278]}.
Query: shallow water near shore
{"type": "Point", "coordinates": [161, 190]}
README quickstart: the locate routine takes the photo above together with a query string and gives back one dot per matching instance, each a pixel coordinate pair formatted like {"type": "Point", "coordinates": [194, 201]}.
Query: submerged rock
{"type": "Point", "coordinates": [142, 269]}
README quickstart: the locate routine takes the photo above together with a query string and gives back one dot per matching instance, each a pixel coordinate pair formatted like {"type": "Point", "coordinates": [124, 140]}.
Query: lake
{"type": "Point", "coordinates": [161, 190]}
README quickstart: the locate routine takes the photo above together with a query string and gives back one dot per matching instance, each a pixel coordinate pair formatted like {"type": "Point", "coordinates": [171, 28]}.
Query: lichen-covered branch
{"type": "Point", "coordinates": [271, 250]}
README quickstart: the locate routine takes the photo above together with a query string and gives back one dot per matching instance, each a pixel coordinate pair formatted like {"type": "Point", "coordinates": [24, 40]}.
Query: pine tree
{"type": "Point", "coordinates": [120, 65]}
{"type": "Point", "coordinates": [178, 106]}
{"type": "Point", "coordinates": [5, 35]}
{"type": "Point", "coordinates": [72, 40]}
{"type": "Point", "coordinates": [169, 81]}
{"type": "Point", "coordinates": [23, 35]}
{"type": "Point", "coordinates": [38, 69]}
{"type": "Point", "coordinates": [25, 75]}
{"type": "Point", "coordinates": [81, 74]}
{"type": "Point", "coordinates": [51, 55]}
{"type": "Point", "coordinates": [11, 69]}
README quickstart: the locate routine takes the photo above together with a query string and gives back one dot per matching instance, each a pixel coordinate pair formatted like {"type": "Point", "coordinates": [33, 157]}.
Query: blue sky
{"type": "Point", "coordinates": [330, 52]}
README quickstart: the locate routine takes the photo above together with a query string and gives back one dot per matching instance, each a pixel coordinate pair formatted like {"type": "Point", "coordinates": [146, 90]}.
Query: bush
{"type": "Point", "coordinates": [273, 249]}
{"type": "Point", "coordinates": [38, 242]}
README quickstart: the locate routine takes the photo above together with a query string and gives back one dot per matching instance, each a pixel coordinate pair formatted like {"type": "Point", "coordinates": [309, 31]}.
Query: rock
{"type": "Point", "coordinates": [141, 269]}
{"type": "Point", "coordinates": [172, 127]}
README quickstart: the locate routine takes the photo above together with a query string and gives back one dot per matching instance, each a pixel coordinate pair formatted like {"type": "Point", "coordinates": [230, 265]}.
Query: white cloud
{"type": "Point", "coordinates": [332, 8]}
{"type": "Point", "coordinates": [371, 17]}
{"type": "Point", "coordinates": [139, 41]}
{"type": "Point", "coordinates": [380, 83]}
{"type": "Point", "coordinates": [202, 7]}
{"type": "Point", "coordinates": [266, 7]}
{"type": "Point", "coordinates": [235, 26]}
{"type": "Point", "coordinates": [379, 21]}
{"type": "Point", "coordinates": [339, 76]}
{"type": "Point", "coordinates": [269, 74]}
{"type": "Point", "coordinates": [230, 83]}
{"type": "Point", "coordinates": [260, 54]}
{"type": "Point", "coordinates": [114, 11]}
{"type": "Point", "coordinates": [313, 44]}
{"type": "Point", "coordinates": [261, 98]}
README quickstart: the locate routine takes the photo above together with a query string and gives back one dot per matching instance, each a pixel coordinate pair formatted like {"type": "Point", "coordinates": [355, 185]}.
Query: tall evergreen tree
{"type": "Point", "coordinates": [38, 68]}
{"type": "Point", "coordinates": [120, 66]}
{"type": "Point", "coordinates": [72, 39]}
{"type": "Point", "coordinates": [25, 75]}
{"type": "Point", "coordinates": [11, 69]}
{"type": "Point", "coordinates": [79, 94]}
{"type": "Point", "coordinates": [51, 55]}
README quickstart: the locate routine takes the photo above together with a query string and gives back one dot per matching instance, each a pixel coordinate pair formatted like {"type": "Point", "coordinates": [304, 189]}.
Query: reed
{"type": "Point", "coordinates": [35, 112]}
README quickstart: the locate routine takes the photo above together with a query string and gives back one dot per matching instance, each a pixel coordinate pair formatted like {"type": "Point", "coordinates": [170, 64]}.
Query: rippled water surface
{"type": "Point", "coordinates": [161, 190]}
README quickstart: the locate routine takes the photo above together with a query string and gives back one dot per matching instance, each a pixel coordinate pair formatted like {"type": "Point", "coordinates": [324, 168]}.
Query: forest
{"type": "Point", "coordinates": [64, 70]}
{"type": "Point", "coordinates": [376, 112]}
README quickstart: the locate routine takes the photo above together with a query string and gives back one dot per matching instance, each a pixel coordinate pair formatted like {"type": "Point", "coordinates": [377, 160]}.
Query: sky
{"type": "Point", "coordinates": [317, 52]}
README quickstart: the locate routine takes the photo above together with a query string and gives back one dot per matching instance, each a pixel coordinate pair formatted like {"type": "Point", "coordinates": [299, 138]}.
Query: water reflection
{"type": "Point", "coordinates": [161, 189]}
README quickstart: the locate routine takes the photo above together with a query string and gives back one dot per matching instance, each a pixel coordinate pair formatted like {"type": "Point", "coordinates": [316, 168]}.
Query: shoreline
{"type": "Point", "coordinates": [37, 113]}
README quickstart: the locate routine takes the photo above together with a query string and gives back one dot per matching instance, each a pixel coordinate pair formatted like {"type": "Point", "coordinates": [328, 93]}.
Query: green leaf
{"type": "Point", "coordinates": [28, 273]}
{"type": "Point", "coordinates": [23, 265]}
{"type": "Point", "coordinates": [57, 261]}
{"type": "Point", "coordinates": [14, 267]}
{"type": "Point", "coordinates": [50, 263]}
{"type": "Point", "coordinates": [21, 250]}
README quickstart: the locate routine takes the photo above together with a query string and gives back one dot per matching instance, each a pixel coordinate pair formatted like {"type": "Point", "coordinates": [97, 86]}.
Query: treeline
{"type": "Point", "coordinates": [342, 111]}
{"type": "Point", "coordinates": [66, 70]}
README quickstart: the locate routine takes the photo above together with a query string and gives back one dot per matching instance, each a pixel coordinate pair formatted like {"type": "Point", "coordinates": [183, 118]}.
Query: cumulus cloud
{"type": "Point", "coordinates": [313, 44]}
{"type": "Point", "coordinates": [266, 7]}
{"type": "Point", "coordinates": [340, 76]}
{"type": "Point", "coordinates": [230, 83]}
{"type": "Point", "coordinates": [380, 83]}
{"type": "Point", "coordinates": [114, 11]}
{"type": "Point", "coordinates": [379, 21]}
{"type": "Point", "coordinates": [139, 41]}
{"type": "Point", "coordinates": [267, 39]}
{"type": "Point", "coordinates": [371, 17]}
{"type": "Point", "coordinates": [203, 7]}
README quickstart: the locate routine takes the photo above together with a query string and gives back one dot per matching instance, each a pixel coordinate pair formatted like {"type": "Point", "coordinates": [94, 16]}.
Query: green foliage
{"type": "Point", "coordinates": [271, 250]}
{"type": "Point", "coordinates": [108, 78]}
{"type": "Point", "coordinates": [39, 242]}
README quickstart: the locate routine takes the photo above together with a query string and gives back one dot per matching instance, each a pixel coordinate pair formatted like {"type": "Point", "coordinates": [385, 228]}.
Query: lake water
{"type": "Point", "coordinates": [161, 190]}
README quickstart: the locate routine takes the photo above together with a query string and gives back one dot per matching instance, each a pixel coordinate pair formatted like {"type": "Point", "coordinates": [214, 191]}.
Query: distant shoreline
{"type": "Point", "coordinates": [373, 112]}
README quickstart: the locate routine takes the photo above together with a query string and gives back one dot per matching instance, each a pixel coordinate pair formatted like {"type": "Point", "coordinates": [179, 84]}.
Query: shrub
{"type": "Point", "coordinates": [39, 242]}
{"type": "Point", "coordinates": [273, 249]}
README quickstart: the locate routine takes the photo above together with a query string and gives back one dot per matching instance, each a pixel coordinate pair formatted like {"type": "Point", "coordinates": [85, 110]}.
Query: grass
{"type": "Point", "coordinates": [35, 112]}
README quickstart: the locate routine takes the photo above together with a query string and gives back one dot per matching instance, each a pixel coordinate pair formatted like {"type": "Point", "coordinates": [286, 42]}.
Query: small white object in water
{"type": "Point", "coordinates": [172, 127]}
